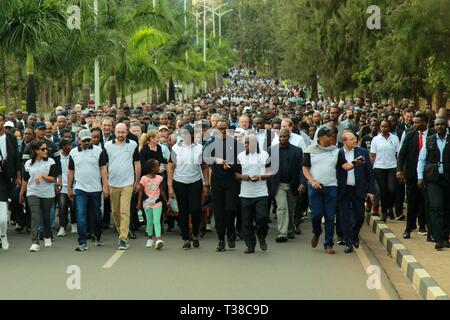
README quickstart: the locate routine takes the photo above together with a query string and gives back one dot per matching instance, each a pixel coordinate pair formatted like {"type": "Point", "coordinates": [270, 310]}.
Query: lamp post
{"type": "Point", "coordinates": [96, 67]}
{"type": "Point", "coordinates": [220, 14]}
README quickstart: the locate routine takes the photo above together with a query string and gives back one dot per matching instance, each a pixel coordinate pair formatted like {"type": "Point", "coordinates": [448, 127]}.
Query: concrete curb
{"type": "Point", "coordinates": [424, 284]}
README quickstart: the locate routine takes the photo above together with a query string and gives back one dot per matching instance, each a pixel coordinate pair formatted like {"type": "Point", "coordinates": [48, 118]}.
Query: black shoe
{"type": "Point", "coordinates": [340, 241]}
{"type": "Point", "coordinates": [19, 229]}
{"type": "Point", "coordinates": [356, 243]}
{"type": "Point", "coordinates": [401, 217]}
{"type": "Point", "coordinates": [187, 246]}
{"type": "Point", "coordinates": [439, 245]}
{"type": "Point", "coordinates": [263, 244]}
{"type": "Point", "coordinates": [348, 250]}
{"type": "Point", "coordinates": [281, 239]}
{"type": "Point", "coordinates": [391, 214]}
{"type": "Point", "coordinates": [248, 250]}
{"type": "Point", "coordinates": [406, 235]}
{"type": "Point", "coordinates": [430, 238]}
{"type": "Point", "coordinates": [231, 244]}
{"type": "Point", "coordinates": [446, 244]}
{"type": "Point", "coordinates": [297, 229]}
{"type": "Point", "coordinates": [196, 243]}
{"type": "Point", "coordinates": [131, 235]}
{"type": "Point", "coordinates": [291, 235]}
{"type": "Point", "coordinates": [221, 246]}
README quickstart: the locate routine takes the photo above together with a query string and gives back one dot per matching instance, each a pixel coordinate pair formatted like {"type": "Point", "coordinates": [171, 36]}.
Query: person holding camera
{"type": "Point", "coordinates": [353, 187]}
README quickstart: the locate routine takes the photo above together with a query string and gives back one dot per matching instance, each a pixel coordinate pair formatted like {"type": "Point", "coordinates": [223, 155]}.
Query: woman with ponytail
{"type": "Point", "coordinates": [39, 176]}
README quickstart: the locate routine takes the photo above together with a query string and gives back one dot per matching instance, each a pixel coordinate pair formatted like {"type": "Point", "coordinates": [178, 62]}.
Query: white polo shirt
{"type": "Point", "coordinates": [385, 150]}
{"type": "Point", "coordinates": [253, 164]}
{"type": "Point", "coordinates": [121, 158]}
{"type": "Point", "coordinates": [40, 168]}
{"type": "Point", "coordinates": [86, 166]}
{"type": "Point", "coordinates": [188, 161]}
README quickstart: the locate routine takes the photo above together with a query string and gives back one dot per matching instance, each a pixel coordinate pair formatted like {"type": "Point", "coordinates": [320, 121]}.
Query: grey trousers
{"type": "Point", "coordinates": [285, 209]}
{"type": "Point", "coordinates": [40, 209]}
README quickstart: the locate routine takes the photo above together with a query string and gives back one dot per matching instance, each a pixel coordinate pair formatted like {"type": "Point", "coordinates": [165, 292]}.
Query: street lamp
{"type": "Point", "coordinates": [214, 12]}
{"type": "Point", "coordinates": [96, 67]}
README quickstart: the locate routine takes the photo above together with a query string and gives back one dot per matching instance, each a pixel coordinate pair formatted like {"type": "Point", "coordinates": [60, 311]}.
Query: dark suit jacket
{"type": "Point", "coordinates": [296, 155]}
{"type": "Point", "coordinates": [409, 154]}
{"type": "Point", "coordinates": [13, 160]}
{"type": "Point", "coordinates": [364, 176]}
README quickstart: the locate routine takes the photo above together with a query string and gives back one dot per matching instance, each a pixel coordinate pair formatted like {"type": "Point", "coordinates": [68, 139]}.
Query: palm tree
{"type": "Point", "coordinates": [25, 25]}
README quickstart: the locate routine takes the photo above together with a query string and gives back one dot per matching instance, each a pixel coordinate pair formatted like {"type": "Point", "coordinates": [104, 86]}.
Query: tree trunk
{"type": "Point", "coordinates": [171, 90]}
{"type": "Point", "coordinates": [154, 94]}
{"type": "Point", "coordinates": [55, 93]}
{"type": "Point", "coordinates": [113, 87]}
{"type": "Point", "coordinates": [42, 94]}
{"type": "Point", "coordinates": [85, 88]}
{"type": "Point", "coordinates": [69, 89]}
{"type": "Point", "coordinates": [5, 81]}
{"type": "Point", "coordinates": [429, 100]}
{"type": "Point", "coordinates": [31, 89]}
{"type": "Point", "coordinates": [122, 94]}
{"type": "Point", "coordinates": [314, 89]}
{"type": "Point", "coordinates": [19, 87]}
{"type": "Point", "coordinates": [441, 99]}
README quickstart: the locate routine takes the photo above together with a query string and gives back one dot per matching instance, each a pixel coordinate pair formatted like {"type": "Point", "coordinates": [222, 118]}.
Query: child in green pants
{"type": "Point", "coordinates": [152, 185]}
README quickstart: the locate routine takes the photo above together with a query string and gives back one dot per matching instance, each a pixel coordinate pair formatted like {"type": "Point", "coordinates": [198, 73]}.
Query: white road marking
{"type": "Point", "coordinates": [115, 257]}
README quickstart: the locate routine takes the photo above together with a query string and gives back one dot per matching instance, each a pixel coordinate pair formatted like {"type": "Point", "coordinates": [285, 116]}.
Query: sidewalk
{"type": "Point", "coordinates": [437, 263]}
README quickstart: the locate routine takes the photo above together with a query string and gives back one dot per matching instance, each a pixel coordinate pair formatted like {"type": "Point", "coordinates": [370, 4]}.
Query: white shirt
{"type": "Point", "coordinates": [40, 168]}
{"type": "Point", "coordinates": [294, 139]}
{"type": "Point", "coordinates": [188, 160]}
{"type": "Point", "coordinates": [350, 156]}
{"type": "Point", "coordinates": [323, 167]}
{"type": "Point", "coordinates": [3, 147]}
{"type": "Point", "coordinates": [385, 150]}
{"type": "Point", "coordinates": [86, 164]}
{"type": "Point", "coordinates": [253, 164]}
{"type": "Point", "coordinates": [121, 158]}
{"type": "Point", "coordinates": [64, 170]}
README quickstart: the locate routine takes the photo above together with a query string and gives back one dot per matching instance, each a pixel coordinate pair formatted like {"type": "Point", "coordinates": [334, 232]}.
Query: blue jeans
{"type": "Point", "coordinates": [85, 201]}
{"type": "Point", "coordinates": [323, 204]}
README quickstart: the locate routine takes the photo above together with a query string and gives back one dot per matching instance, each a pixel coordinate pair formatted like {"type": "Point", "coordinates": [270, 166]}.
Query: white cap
{"type": "Point", "coordinates": [9, 124]}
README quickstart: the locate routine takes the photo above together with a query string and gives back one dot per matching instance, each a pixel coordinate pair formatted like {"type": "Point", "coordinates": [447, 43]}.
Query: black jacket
{"type": "Point", "coordinates": [12, 163]}
{"type": "Point", "coordinates": [296, 157]}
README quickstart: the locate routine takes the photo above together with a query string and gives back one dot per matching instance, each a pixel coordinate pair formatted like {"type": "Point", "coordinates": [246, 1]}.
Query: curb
{"type": "Point", "coordinates": [424, 284]}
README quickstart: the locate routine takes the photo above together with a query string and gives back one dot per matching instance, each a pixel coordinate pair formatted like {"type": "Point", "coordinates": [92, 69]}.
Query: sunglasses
{"type": "Point", "coordinates": [44, 149]}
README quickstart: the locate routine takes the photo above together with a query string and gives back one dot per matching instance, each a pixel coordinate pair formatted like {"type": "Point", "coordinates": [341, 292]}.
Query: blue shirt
{"type": "Point", "coordinates": [423, 156]}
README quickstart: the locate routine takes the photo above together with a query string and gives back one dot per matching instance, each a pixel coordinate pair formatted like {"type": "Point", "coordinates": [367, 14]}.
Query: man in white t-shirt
{"type": "Point", "coordinates": [254, 193]}
{"type": "Point", "coordinates": [124, 168]}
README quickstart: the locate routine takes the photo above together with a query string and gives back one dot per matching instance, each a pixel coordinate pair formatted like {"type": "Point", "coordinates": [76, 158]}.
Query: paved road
{"type": "Point", "coordinates": [291, 270]}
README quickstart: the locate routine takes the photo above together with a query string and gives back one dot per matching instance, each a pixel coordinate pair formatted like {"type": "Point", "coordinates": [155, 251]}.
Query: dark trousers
{"type": "Point", "coordinates": [106, 212]}
{"type": "Point", "coordinates": [399, 198]}
{"type": "Point", "coordinates": [65, 205]}
{"type": "Point", "coordinates": [351, 209]}
{"type": "Point", "coordinates": [439, 195]}
{"type": "Point", "coordinates": [189, 199]}
{"type": "Point", "coordinates": [224, 191]}
{"type": "Point", "coordinates": [387, 183]}
{"type": "Point", "coordinates": [416, 206]}
{"type": "Point", "coordinates": [134, 219]}
{"type": "Point", "coordinates": [88, 202]}
{"type": "Point", "coordinates": [339, 231]}
{"type": "Point", "coordinates": [40, 211]}
{"type": "Point", "coordinates": [254, 218]}
{"type": "Point", "coordinates": [21, 216]}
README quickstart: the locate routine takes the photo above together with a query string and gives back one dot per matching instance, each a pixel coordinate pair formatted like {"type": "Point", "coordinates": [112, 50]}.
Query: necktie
{"type": "Point", "coordinates": [420, 141]}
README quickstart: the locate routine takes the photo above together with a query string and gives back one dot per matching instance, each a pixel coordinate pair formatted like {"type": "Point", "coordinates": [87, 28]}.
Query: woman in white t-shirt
{"type": "Point", "coordinates": [39, 175]}
{"type": "Point", "coordinates": [383, 153]}
{"type": "Point", "coordinates": [254, 193]}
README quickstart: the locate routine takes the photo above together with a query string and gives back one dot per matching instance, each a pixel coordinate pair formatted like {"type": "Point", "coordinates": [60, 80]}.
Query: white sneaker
{"type": "Point", "coordinates": [48, 242]}
{"type": "Point", "coordinates": [61, 232]}
{"type": "Point", "coordinates": [149, 243]}
{"type": "Point", "coordinates": [34, 248]}
{"type": "Point", "coordinates": [5, 243]}
{"type": "Point", "coordinates": [159, 244]}
{"type": "Point", "coordinates": [209, 227]}
{"type": "Point", "coordinates": [74, 228]}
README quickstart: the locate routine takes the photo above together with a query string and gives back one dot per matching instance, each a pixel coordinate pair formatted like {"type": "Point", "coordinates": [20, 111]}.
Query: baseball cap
{"type": "Point", "coordinates": [9, 124]}
{"type": "Point", "coordinates": [40, 125]}
{"type": "Point", "coordinates": [163, 127]}
{"type": "Point", "coordinates": [247, 109]}
{"type": "Point", "coordinates": [63, 143]}
{"type": "Point", "coordinates": [84, 135]}
{"type": "Point", "coordinates": [324, 131]}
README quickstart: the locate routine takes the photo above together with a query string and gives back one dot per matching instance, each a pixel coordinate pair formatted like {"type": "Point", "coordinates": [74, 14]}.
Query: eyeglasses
{"type": "Point", "coordinates": [44, 149]}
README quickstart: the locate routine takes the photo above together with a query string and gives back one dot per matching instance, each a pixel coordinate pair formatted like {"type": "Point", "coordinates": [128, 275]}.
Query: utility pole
{"type": "Point", "coordinates": [96, 67]}
{"type": "Point", "coordinates": [220, 14]}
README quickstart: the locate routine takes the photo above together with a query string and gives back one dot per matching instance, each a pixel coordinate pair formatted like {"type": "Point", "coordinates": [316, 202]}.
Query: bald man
{"type": "Point", "coordinates": [124, 169]}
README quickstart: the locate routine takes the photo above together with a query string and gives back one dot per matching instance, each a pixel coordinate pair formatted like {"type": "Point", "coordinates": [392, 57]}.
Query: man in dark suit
{"type": "Point", "coordinates": [286, 183]}
{"type": "Point", "coordinates": [414, 140]}
{"type": "Point", "coordinates": [353, 188]}
{"type": "Point", "coordinates": [9, 176]}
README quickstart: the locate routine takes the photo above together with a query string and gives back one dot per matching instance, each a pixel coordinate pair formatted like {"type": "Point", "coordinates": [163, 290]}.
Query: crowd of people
{"type": "Point", "coordinates": [238, 157]}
